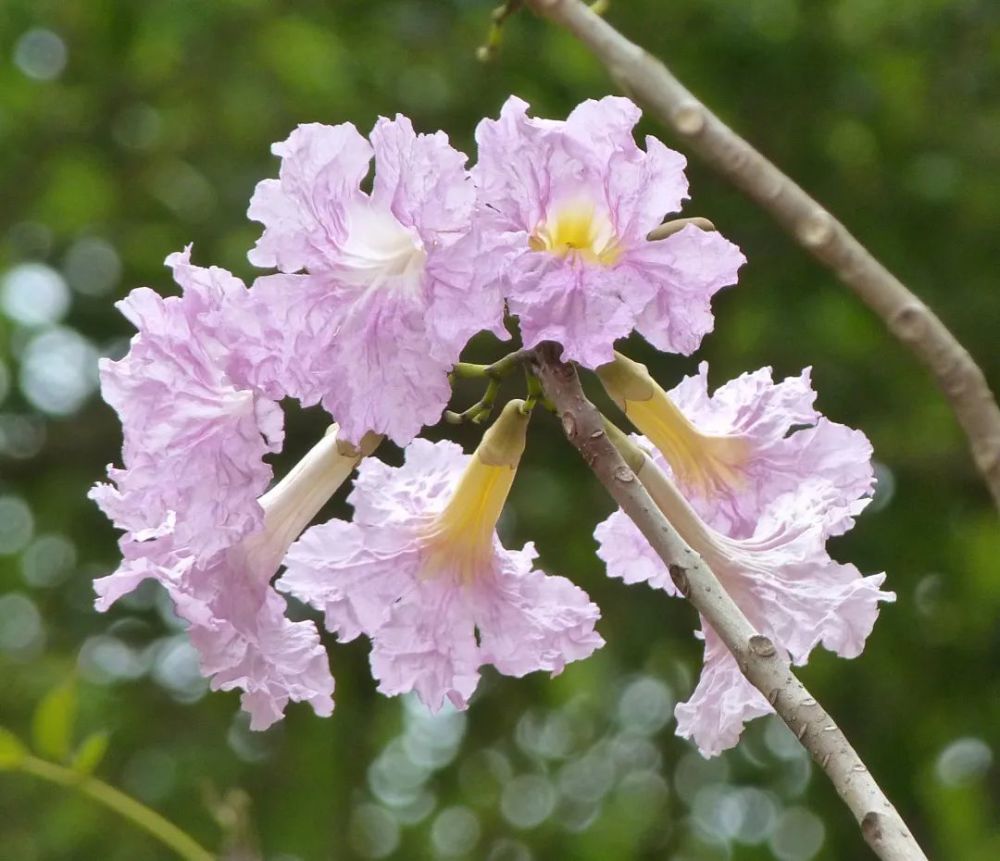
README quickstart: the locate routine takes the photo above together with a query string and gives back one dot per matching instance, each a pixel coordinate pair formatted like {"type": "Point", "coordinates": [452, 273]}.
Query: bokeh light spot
{"type": "Point", "coordinates": [527, 801]}
{"type": "Point", "coordinates": [92, 266]}
{"type": "Point", "coordinates": [176, 669]}
{"type": "Point", "coordinates": [374, 832]}
{"type": "Point", "coordinates": [455, 832]}
{"type": "Point", "coordinates": [58, 370]}
{"type": "Point", "coordinates": [16, 525]}
{"type": "Point", "coordinates": [645, 705]}
{"type": "Point", "coordinates": [798, 835]}
{"type": "Point", "coordinates": [47, 561]}
{"type": "Point", "coordinates": [21, 630]}
{"type": "Point", "coordinates": [34, 294]}
{"type": "Point", "coordinates": [105, 660]}
{"type": "Point", "coordinates": [21, 437]}
{"type": "Point", "coordinates": [963, 761]}
{"type": "Point", "coordinates": [40, 54]}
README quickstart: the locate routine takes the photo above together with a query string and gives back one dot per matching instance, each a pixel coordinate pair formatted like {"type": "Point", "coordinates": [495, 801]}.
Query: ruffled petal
{"type": "Point", "coordinates": [691, 267]}
{"type": "Point", "coordinates": [351, 574]}
{"type": "Point", "coordinates": [576, 306]}
{"type": "Point", "coordinates": [196, 429]}
{"type": "Point", "coordinates": [249, 644]}
{"type": "Point", "coordinates": [530, 621]}
{"type": "Point", "coordinates": [780, 574]}
{"type": "Point", "coordinates": [628, 556]}
{"type": "Point", "coordinates": [303, 212]}
{"type": "Point", "coordinates": [422, 179]}
{"type": "Point", "coordinates": [428, 645]}
{"type": "Point", "coordinates": [237, 623]}
{"type": "Point", "coordinates": [418, 489]}
{"type": "Point", "coordinates": [722, 703]}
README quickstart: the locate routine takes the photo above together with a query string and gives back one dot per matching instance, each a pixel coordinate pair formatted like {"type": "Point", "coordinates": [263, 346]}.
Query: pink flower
{"type": "Point", "coordinates": [422, 573]}
{"type": "Point", "coordinates": [391, 292]}
{"type": "Point", "coordinates": [565, 208]}
{"type": "Point", "coordinates": [194, 437]}
{"type": "Point", "coordinates": [734, 452]}
{"type": "Point", "coordinates": [779, 573]}
{"type": "Point", "coordinates": [189, 497]}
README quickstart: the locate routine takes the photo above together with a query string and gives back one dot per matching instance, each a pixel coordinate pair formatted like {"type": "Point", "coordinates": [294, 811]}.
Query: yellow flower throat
{"type": "Point", "coordinates": [579, 229]}
{"type": "Point", "coordinates": [459, 540]}
{"type": "Point", "coordinates": [461, 536]}
{"type": "Point", "coordinates": [700, 461]}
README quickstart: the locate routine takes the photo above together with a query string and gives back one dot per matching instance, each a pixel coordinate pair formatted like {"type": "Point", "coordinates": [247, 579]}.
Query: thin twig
{"type": "Point", "coordinates": [765, 666]}
{"type": "Point", "coordinates": [126, 806]}
{"type": "Point", "coordinates": [910, 320]}
{"type": "Point", "coordinates": [493, 374]}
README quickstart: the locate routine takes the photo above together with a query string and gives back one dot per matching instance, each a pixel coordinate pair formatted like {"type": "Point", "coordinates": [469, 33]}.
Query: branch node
{"type": "Point", "coordinates": [762, 646]}
{"type": "Point", "coordinates": [680, 578]}
{"type": "Point", "coordinates": [871, 826]}
{"type": "Point", "coordinates": [624, 474]}
{"type": "Point", "coordinates": [689, 118]}
{"type": "Point", "coordinates": [910, 321]}
{"type": "Point", "coordinates": [816, 230]}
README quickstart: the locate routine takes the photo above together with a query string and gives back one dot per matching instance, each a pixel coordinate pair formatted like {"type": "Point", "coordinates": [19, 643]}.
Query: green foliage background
{"type": "Point", "coordinates": [154, 134]}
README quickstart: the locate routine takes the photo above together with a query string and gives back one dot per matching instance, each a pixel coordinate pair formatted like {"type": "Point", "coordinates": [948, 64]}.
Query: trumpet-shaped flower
{"type": "Point", "coordinates": [565, 209]}
{"type": "Point", "coordinates": [780, 575]}
{"type": "Point", "coordinates": [421, 572]}
{"type": "Point", "coordinates": [734, 452]}
{"type": "Point", "coordinates": [390, 293]}
{"type": "Point", "coordinates": [189, 497]}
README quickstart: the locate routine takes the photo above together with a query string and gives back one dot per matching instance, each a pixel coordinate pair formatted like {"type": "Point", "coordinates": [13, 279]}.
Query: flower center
{"type": "Point", "coordinates": [577, 228]}
{"type": "Point", "coordinates": [380, 251]}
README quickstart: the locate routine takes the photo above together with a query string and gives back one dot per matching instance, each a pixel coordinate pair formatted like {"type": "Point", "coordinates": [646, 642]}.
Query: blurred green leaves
{"type": "Point", "coordinates": [53, 725]}
{"type": "Point", "coordinates": [53, 722]}
{"type": "Point", "coordinates": [12, 750]}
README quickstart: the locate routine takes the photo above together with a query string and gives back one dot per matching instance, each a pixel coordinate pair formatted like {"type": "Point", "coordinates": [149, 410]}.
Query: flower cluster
{"type": "Point", "coordinates": [375, 287]}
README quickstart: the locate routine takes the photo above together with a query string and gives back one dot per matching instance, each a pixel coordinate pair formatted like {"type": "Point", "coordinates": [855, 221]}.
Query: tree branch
{"type": "Point", "coordinates": [907, 318]}
{"type": "Point", "coordinates": [765, 666]}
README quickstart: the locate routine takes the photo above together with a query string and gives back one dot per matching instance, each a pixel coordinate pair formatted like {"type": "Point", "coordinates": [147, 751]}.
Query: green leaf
{"type": "Point", "coordinates": [12, 751]}
{"type": "Point", "coordinates": [90, 753]}
{"type": "Point", "coordinates": [52, 724]}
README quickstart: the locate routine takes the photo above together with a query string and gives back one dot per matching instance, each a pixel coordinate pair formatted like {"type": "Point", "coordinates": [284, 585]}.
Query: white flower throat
{"type": "Point", "coordinates": [380, 252]}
